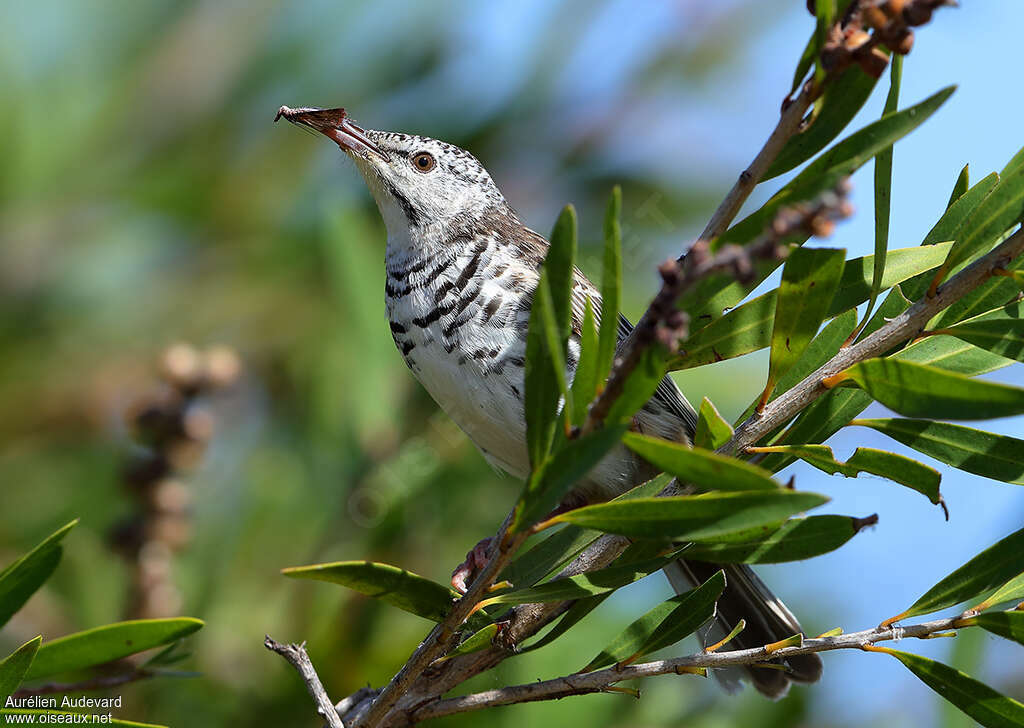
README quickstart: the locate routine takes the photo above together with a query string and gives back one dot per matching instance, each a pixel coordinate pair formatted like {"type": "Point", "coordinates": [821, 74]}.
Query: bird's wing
{"type": "Point", "coordinates": [667, 394]}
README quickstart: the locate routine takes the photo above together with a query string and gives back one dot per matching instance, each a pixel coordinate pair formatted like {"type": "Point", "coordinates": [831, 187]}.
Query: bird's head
{"type": "Point", "coordinates": [419, 184]}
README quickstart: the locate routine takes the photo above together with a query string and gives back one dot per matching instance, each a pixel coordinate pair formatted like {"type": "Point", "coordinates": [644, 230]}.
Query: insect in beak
{"type": "Point", "coordinates": [336, 126]}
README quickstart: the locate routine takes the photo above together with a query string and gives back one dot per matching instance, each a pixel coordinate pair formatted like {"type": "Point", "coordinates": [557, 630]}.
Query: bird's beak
{"type": "Point", "coordinates": [336, 126]}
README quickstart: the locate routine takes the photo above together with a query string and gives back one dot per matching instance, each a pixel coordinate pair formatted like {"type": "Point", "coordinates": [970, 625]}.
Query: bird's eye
{"type": "Point", "coordinates": [423, 162]}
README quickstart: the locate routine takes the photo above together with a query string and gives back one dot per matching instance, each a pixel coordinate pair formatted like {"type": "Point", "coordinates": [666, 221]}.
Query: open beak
{"type": "Point", "coordinates": [335, 125]}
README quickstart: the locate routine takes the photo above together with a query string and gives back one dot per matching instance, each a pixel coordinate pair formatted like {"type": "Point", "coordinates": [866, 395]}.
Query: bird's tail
{"type": "Point", "coordinates": [767, 620]}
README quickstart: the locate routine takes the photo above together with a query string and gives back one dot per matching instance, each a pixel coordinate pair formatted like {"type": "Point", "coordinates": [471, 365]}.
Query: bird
{"type": "Point", "coordinates": [461, 269]}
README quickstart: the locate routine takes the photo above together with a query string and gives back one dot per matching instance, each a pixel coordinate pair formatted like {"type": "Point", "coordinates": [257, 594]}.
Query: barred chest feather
{"type": "Point", "coordinates": [459, 316]}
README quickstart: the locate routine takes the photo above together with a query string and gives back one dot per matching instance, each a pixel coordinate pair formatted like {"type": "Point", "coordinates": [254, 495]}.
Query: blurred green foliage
{"type": "Point", "coordinates": [146, 198]}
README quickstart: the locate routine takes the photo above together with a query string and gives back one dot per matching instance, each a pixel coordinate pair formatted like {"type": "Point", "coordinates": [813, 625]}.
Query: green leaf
{"type": "Point", "coordinates": [703, 517]}
{"type": "Point", "coordinates": [546, 348]}
{"type": "Point", "coordinates": [712, 429]}
{"type": "Point", "coordinates": [1001, 209]}
{"type": "Point", "coordinates": [21, 579]}
{"type": "Point", "coordinates": [883, 189]}
{"type": "Point", "coordinates": [63, 717]}
{"type": "Point", "coordinates": [556, 477]}
{"type": "Point", "coordinates": [988, 570]}
{"type": "Point", "coordinates": [397, 587]}
{"type": "Point", "coordinates": [990, 708]}
{"type": "Point", "coordinates": [952, 222]}
{"type": "Point", "coordinates": [479, 640]}
{"type": "Point", "coordinates": [999, 457]}
{"type": "Point", "coordinates": [824, 346]}
{"type": "Point", "coordinates": [557, 549]}
{"type": "Point", "coordinates": [897, 468]}
{"type": "Point", "coordinates": [833, 411]}
{"type": "Point", "coordinates": [14, 666]}
{"type": "Point", "coordinates": [611, 286]}
{"type": "Point", "coordinates": [101, 645]}
{"type": "Point", "coordinates": [993, 293]}
{"type": "Point", "coordinates": [663, 626]}
{"type": "Point", "coordinates": [705, 469]}
{"type": "Point", "coordinates": [839, 161]}
{"type": "Point", "coordinates": [1011, 591]}
{"type": "Point", "coordinates": [794, 540]}
{"type": "Point", "coordinates": [640, 386]}
{"type": "Point", "coordinates": [1009, 625]}
{"type": "Point", "coordinates": [842, 99]}
{"type": "Point", "coordinates": [584, 585]}
{"type": "Point", "coordinates": [748, 327]}
{"type": "Point", "coordinates": [809, 282]}
{"type": "Point", "coordinates": [1000, 331]}
{"type": "Point", "coordinates": [914, 390]}
{"type": "Point", "coordinates": [585, 381]}
{"type": "Point", "coordinates": [960, 186]}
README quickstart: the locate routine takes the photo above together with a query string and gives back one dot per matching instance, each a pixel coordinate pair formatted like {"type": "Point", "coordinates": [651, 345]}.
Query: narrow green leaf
{"type": "Point", "coordinates": [840, 102]}
{"type": "Point", "coordinates": [549, 484]}
{"type": "Point", "coordinates": [795, 540]}
{"type": "Point", "coordinates": [705, 469]}
{"type": "Point", "coordinates": [999, 457]}
{"type": "Point", "coordinates": [1011, 591]}
{"type": "Point", "coordinates": [990, 708]}
{"type": "Point", "coordinates": [397, 587]}
{"type": "Point", "coordinates": [105, 644]}
{"type": "Point", "coordinates": [1000, 331]}
{"type": "Point", "coordinates": [703, 517]}
{"type": "Point", "coordinates": [883, 188]}
{"type": "Point", "coordinates": [21, 579]}
{"type": "Point", "coordinates": [14, 666]}
{"type": "Point", "coordinates": [809, 282]}
{"type": "Point", "coordinates": [1009, 625]}
{"type": "Point", "coordinates": [897, 468]}
{"type": "Point", "coordinates": [533, 565]}
{"type": "Point", "coordinates": [672, 620]}
{"type": "Point", "coordinates": [584, 585]}
{"type": "Point", "coordinates": [640, 386]}
{"type": "Point", "coordinates": [712, 296]}
{"type": "Point", "coordinates": [611, 286]}
{"type": "Point", "coordinates": [712, 429]}
{"type": "Point", "coordinates": [585, 381]}
{"type": "Point", "coordinates": [479, 640]}
{"type": "Point", "coordinates": [67, 717]}
{"type": "Point", "coordinates": [582, 607]}
{"type": "Point", "coordinates": [839, 161]}
{"type": "Point", "coordinates": [914, 390]}
{"type": "Point", "coordinates": [988, 570]}
{"type": "Point", "coordinates": [1000, 210]}
{"type": "Point", "coordinates": [960, 186]}
{"type": "Point", "coordinates": [993, 293]}
{"type": "Point", "coordinates": [546, 349]}
{"type": "Point", "coordinates": [748, 327]}
{"type": "Point", "coordinates": [822, 348]}
{"type": "Point", "coordinates": [833, 411]}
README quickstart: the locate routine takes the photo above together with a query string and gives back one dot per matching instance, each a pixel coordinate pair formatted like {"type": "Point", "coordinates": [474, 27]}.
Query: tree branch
{"type": "Point", "coordinates": [299, 659]}
{"type": "Point", "coordinates": [601, 680]}
{"type": "Point", "coordinates": [439, 639]}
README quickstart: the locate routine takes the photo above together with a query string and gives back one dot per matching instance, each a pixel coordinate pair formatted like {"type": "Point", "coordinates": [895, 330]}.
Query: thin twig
{"type": "Point", "coordinates": [789, 123]}
{"type": "Point", "coordinates": [437, 642]}
{"type": "Point", "coordinates": [299, 659]}
{"type": "Point", "coordinates": [99, 683]}
{"type": "Point", "coordinates": [601, 680]}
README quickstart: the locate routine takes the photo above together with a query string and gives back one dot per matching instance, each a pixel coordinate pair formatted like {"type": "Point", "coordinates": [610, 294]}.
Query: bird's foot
{"type": "Point", "coordinates": [476, 560]}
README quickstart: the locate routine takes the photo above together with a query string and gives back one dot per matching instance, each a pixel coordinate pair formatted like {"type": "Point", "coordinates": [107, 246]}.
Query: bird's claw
{"type": "Point", "coordinates": [476, 560]}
